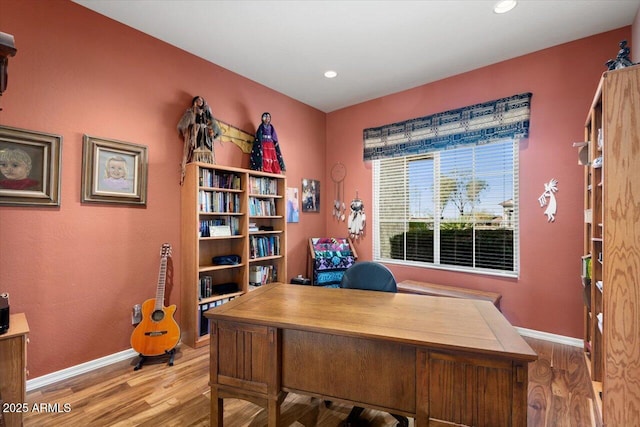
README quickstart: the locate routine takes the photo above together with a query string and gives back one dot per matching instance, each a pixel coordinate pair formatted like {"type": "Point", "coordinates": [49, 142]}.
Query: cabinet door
{"type": "Point", "coordinates": [240, 356]}
{"type": "Point", "coordinates": [12, 376]}
{"type": "Point", "coordinates": [469, 391]}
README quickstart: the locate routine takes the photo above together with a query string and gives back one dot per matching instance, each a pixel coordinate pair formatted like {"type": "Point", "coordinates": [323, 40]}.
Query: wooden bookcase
{"type": "Point", "coordinates": [253, 205]}
{"type": "Point", "coordinates": [611, 242]}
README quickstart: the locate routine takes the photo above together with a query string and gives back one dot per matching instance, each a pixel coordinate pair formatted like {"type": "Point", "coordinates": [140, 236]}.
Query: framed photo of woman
{"type": "Point", "coordinates": [29, 167]}
{"type": "Point", "coordinates": [113, 171]}
{"type": "Point", "coordinates": [310, 195]}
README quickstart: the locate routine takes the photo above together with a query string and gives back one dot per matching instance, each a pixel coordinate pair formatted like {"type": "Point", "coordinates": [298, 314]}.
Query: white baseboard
{"type": "Point", "coordinates": [82, 368]}
{"type": "Point", "coordinates": [130, 353]}
{"type": "Point", "coordinates": [560, 339]}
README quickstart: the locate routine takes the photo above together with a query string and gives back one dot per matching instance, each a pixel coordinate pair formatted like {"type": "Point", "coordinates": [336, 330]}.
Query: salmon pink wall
{"type": "Point", "coordinates": [77, 270]}
{"type": "Point", "coordinates": [547, 295]}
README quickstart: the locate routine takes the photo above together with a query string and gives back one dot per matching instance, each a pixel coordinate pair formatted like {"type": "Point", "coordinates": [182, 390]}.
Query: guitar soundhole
{"type": "Point", "coordinates": [157, 315]}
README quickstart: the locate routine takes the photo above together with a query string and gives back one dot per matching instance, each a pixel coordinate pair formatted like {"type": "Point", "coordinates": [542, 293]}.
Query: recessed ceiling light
{"type": "Point", "coordinates": [504, 6]}
{"type": "Point", "coordinates": [330, 74]}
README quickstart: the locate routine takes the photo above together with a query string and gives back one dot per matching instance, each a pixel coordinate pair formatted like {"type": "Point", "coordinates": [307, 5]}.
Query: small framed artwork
{"type": "Point", "coordinates": [293, 205]}
{"type": "Point", "coordinates": [29, 167]}
{"type": "Point", "coordinates": [310, 195]}
{"type": "Point", "coordinates": [113, 171]}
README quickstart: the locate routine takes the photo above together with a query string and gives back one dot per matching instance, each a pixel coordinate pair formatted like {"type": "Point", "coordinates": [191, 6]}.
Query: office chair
{"type": "Point", "coordinates": [372, 276]}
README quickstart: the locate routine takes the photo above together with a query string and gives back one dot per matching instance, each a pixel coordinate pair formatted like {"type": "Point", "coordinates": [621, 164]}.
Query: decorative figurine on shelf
{"type": "Point", "coordinates": [622, 60]}
{"type": "Point", "coordinates": [552, 205]}
{"type": "Point", "coordinates": [199, 129]}
{"type": "Point", "coordinates": [357, 218]}
{"type": "Point", "coordinates": [265, 153]}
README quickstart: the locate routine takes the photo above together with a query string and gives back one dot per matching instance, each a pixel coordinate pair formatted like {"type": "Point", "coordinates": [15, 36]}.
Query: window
{"type": "Point", "coordinates": [454, 209]}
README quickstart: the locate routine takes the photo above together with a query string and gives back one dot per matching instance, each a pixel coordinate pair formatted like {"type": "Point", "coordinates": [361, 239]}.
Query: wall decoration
{"type": "Point", "coordinates": [338, 173]}
{"type": "Point", "coordinates": [113, 171]}
{"type": "Point", "coordinates": [293, 205]}
{"type": "Point", "coordinates": [622, 60]}
{"type": "Point", "coordinates": [357, 219]}
{"type": "Point", "coordinates": [310, 195]}
{"type": "Point", "coordinates": [552, 205]}
{"type": "Point", "coordinates": [29, 167]}
{"type": "Point", "coordinates": [7, 49]}
{"type": "Point", "coordinates": [243, 139]}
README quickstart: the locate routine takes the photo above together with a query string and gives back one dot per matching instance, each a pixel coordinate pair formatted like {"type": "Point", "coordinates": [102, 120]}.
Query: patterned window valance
{"type": "Point", "coordinates": [506, 118]}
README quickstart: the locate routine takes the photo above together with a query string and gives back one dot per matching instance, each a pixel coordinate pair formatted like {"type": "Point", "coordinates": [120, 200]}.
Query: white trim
{"type": "Point", "coordinates": [560, 339]}
{"type": "Point", "coordinates": [82, 368]}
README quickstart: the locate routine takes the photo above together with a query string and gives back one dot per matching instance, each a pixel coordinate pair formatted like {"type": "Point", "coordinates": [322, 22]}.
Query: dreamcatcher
{"type": "Point", "coordinates": [338, 173]}
{"type": "Point", "coordinates": [357, 218]}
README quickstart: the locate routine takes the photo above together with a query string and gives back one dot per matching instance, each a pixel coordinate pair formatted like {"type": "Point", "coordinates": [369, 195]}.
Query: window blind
{"type": "Point", "coordinates": [456, 208]}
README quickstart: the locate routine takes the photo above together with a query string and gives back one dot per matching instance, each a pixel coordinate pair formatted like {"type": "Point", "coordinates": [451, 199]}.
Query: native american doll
{"type": "Point", "coordinates": [265, 153]}
{"type": "Point", "coordinates": [199, 129]}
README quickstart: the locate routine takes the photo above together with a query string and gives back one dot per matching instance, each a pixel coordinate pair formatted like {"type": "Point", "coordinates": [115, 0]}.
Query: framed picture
{"type": "Point", "coordinates": [29, 167]}
{"type": "Point", "coordinates": [113, 171]}
{"type": "Point", "coordinates": [293, 205]}
{"type": "Point", "coordinates": [310, 195]}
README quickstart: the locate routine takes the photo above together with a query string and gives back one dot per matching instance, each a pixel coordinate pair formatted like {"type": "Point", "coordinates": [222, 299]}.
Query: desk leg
{"type": "Point", "coordinates": [273, 410]}
{"type": "Point", "coordinates": [217, 408]}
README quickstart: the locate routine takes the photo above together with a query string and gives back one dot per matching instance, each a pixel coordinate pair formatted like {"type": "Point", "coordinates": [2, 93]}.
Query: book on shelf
{"type": "Point", "coordinates": [263, 185]}
{"type": "Point", "coordinates": [586, 266]}
{"type": "Point", "coordinates": [219, 230]}
{"type": "Point", "coordinates": [264, 246]}
{"type": "Point", "coordinates": [219, 201]}
{"type": "Point", "coordinates": [226, 226]}
{"type": "Point", "coordinates": [218, 179]}
{"type": "Point", "coordinates": [262, 274]}
{"type": "Point", "coordinates": [262, 207]}
{"type": "Point", "coordinates": [205, 287]}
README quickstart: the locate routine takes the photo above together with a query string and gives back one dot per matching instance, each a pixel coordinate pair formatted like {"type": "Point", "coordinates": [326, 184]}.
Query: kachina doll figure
{"type": "Point", "coordinates": [199, 129]}
{"type": "Point", "coordinates": [265, 153]}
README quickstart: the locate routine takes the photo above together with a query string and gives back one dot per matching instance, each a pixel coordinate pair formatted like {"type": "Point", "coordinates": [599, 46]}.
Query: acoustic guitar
{"type": "Point", "coordinates": [157, 333]}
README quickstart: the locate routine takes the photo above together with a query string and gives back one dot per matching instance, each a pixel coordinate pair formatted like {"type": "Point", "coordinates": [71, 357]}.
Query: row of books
{"type": "Point", "coordinates": [219, 201]}
{"type": "Point", "coordinates": [263, 185]}
{"type": "Point", "coordinates": [203, 322]}
{"type": "Point", "coordinates": [228, 226]}
{"type": "Point", "coordinates": [259, 207]}
{"type": "Point", "coordinates": [262, 274]}
{"type": "Point", "coordinates": [219, 180]}
{"type": "Point", "coordinates": [263, 246]}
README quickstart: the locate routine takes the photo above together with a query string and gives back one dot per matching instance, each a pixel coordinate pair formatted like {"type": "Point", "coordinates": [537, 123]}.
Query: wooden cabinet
{"type": "Point", "coordinates": [228, 211]}
{"type": "Point", "coordinates": [612, 239]}
{"type": "Point", "coordinates": [13, 369]}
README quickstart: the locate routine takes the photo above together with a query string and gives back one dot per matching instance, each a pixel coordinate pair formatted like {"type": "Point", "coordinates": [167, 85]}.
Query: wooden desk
{"type": "Point", "coordinates": [438, 360]}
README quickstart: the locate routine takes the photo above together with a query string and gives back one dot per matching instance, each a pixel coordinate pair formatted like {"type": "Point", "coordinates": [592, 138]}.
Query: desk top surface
{"type": "Point", "coordinates": [434, 322]}
{"type": "Point", "coordinates": [17, 326]}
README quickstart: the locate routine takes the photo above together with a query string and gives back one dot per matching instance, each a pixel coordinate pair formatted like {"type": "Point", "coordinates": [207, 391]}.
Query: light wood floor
{"type": "Point", "coordinates": [157, 395]}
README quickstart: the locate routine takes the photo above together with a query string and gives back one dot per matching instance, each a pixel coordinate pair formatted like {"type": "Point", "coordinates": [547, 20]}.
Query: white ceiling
{"type": "Point", "coordinates": [377, 47]}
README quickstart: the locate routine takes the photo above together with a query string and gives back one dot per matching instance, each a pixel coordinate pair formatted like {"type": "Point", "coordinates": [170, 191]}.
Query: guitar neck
{"type": "Point", "coordinates": [161, 281]}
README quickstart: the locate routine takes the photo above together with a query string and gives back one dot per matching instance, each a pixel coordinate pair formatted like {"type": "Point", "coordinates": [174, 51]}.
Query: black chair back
{"type": "Point", "coordinates": [369, 275]}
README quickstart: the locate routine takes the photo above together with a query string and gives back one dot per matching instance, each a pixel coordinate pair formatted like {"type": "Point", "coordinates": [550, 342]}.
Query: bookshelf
{"type": "Point", "coordinates": [611, 261]}
{"type": "Point", "coordinates": [228, 212]}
